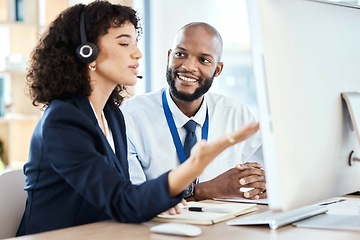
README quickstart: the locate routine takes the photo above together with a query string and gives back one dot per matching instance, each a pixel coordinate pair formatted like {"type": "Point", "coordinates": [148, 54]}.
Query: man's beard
{"type": "Point", "coordinates": [205, 85]}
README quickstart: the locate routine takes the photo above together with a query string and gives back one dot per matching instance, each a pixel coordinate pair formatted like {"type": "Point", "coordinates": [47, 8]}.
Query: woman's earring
{"type": "Point", "coordinates": [92, 68]}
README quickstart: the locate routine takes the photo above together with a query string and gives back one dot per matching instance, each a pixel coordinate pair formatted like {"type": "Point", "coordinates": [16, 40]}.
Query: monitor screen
{"type": "Point", "coordinates": [305, 55]}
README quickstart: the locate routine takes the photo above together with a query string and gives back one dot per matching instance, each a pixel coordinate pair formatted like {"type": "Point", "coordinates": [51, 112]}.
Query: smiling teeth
{"type": "Point", "coordinates": [187, 79]}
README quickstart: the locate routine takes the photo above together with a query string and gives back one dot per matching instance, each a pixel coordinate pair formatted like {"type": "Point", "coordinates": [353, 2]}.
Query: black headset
{"type": "Point", "coordinates": [87, 52]}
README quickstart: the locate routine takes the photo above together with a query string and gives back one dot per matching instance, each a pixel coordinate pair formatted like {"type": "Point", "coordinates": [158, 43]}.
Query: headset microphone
{"type": "Point", "coordinates": [87, 52]}
{"type": "Point", "coordinates": [140, 77]}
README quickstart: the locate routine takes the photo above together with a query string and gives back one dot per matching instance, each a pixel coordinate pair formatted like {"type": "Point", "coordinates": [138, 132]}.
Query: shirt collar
{"type": "Point", "coordinates": [179, 118]}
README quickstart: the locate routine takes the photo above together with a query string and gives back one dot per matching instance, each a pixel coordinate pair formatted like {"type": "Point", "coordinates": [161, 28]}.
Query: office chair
{"type": "Point", "coordinates": [12, 201]}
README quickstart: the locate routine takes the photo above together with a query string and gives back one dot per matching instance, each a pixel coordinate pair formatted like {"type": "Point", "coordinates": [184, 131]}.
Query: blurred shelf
{"type": "Point", "coordinates": [18, 117]}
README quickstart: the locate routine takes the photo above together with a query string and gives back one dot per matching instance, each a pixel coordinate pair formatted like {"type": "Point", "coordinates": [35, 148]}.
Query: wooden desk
{"type": "Point", "coordinates": [115, 230]}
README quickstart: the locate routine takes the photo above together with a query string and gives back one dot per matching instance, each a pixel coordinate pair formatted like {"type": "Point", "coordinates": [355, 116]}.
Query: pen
{"type": "Point", "coordinates": [209, 209]}
{"type": "Point", "coordinates": [331, 202]}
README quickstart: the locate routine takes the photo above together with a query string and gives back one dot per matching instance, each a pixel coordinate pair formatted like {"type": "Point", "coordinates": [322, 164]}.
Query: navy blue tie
{"type": "Point", "coordinates": [190, 138]}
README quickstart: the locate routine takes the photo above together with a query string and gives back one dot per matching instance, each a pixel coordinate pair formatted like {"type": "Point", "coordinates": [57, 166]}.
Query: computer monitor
{"type": "Point", "coordinates": [305, 55]}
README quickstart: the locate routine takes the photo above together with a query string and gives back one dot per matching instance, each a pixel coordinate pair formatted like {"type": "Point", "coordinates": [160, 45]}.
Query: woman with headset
{"type": "Point", "coordinates": [77, 172]}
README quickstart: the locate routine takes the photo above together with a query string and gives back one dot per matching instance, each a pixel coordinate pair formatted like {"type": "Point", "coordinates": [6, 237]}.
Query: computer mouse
{"type": "Point", "coordinates": [181, 229]}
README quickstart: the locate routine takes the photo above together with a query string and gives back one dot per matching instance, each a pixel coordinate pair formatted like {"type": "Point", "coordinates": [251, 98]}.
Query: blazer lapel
{"type": "Point", "coordinates": [117, 126]}
{"type": "Point", "coordinates": [83, 103]}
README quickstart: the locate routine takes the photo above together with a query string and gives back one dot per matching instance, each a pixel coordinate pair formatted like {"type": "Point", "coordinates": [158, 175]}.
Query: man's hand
{"type": "Point", "coordinates": [256, 181]}
{"type": "Point", "coordinates": [231, 184]}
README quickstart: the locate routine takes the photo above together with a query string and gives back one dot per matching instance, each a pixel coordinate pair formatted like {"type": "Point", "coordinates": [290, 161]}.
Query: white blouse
{"type": "Point", "coordinates": [108, 133]}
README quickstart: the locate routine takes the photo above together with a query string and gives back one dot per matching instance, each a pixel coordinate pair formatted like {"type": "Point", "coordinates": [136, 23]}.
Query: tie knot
{"type": "Point", "coordinates": [190, 126]}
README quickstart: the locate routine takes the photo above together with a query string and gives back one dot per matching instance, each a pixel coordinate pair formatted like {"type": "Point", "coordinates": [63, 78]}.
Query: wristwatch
{"type": "Point", "coordinates": [189, 191]}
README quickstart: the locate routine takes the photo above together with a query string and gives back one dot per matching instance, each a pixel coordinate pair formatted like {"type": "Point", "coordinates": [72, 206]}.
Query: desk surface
{"type": "Point", "coordinates": [115, 230]}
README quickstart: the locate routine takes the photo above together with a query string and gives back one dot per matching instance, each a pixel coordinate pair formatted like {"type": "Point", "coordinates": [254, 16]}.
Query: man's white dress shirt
{"type": "Point", "coordinates": [150, 145]}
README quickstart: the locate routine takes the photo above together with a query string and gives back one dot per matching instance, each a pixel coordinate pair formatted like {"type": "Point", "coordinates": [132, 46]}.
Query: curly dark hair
{"type": "Point", "coordinates": [54, 71]}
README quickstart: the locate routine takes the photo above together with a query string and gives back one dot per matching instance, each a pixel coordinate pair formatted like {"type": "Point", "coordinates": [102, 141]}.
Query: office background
{"type": "Point", "coordinates": [21, 22]}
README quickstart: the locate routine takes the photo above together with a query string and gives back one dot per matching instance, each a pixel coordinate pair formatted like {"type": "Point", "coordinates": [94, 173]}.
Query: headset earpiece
{"type": "Point", "coordinates": [87, 52]}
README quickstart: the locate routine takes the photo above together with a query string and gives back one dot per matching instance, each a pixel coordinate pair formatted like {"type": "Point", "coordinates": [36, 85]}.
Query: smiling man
{"type": "Point", "coordinates": [155, 122]}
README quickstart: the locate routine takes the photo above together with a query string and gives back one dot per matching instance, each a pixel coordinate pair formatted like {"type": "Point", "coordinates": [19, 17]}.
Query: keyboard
{"type": "Point", "coordinates": [279, 219]}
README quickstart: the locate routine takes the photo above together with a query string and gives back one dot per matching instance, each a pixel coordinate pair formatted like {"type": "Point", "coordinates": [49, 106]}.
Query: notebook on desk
{"type": "Point", "coordinates": [331, 222]}
{"type": "Point", "coordinates": [343, 214]}
{"type": "Point", "coordinates": [208, 217]}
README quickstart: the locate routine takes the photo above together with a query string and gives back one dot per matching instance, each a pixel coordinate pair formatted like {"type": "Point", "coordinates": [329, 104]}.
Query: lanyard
{"type": "Point", "coordinates": [174, 132]}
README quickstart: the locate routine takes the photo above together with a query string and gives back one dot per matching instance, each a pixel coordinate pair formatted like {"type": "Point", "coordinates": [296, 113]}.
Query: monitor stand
{"type": "Point", "coordinates": [352, 101]}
